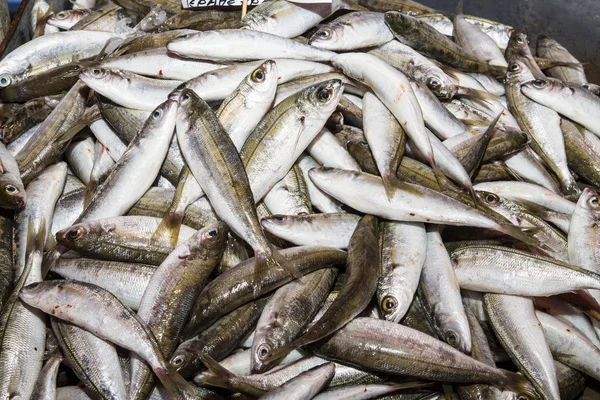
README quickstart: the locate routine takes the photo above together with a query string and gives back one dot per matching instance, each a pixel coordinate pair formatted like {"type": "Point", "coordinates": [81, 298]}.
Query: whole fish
{"type": "Point", "coordinates": [540, 123]}
{"type": "Point", "coordinates": [425, 39]}
{"type": "Point", "coordinates": [352, 31]}
{"type": "Point", "coordinates": [248, 45]}
{"type": "Point", "coordinates": [396, 349]}
{"type": "Point", "coordinates": [73, 302]}
{"type": "Point", "coordinates": [184, 271]}
{"type": "Point", "coordinates": [552, 50]}
{"type": "Point", "coordinates": [210, 153]}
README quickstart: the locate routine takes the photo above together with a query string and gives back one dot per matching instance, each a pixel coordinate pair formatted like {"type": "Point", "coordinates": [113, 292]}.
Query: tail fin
{"type": "Point", "coordinates": [390, 184]}
{"type": "Point", "coordinates": [518, 384]}
{"type": "Point", "coordinates": [274, 259]}
{"type": "Point", "coordinates": [477, 94]}
{"type": "Point", "coordinates": [222, 376]}
{"type": "Point", "coordinates": [170, 225]}
{"type": "Point", "coordinates": [173, 383]}
{"type": "Point", "coordinates": [545, 63]}
{"type": "Point", "coordinates": [522, 234]}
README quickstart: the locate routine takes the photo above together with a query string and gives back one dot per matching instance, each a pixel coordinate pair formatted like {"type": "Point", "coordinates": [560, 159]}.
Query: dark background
{"type": "Point", "coordinates": [573, 23]}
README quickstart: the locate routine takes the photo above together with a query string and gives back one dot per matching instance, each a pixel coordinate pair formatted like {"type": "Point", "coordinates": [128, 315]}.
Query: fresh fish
{"type": "Point", "coordinates": [550, 49]}
{"type": "Point", "coordinates": [72, 301]}
{"type": "Point", "coordinates": [247, 45]}
{"type": "Point", "coordinates": [304, 386]}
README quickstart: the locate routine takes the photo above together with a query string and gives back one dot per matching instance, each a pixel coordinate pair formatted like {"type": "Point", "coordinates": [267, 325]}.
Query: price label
{"type": "Point", "coordinates": [217, 3]}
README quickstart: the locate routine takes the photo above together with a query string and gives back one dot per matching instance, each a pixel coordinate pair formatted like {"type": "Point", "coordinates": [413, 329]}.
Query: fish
{"type": "Point", "coordinates": [72, 301]}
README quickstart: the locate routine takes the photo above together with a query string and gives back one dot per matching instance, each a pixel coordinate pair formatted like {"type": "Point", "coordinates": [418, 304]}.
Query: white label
{"type": "Point", "coordinates": [217, 3]}
{"type": "Point", "coordinates": [312, 1]}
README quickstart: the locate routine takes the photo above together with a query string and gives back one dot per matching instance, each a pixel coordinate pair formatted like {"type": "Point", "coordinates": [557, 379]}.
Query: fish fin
{"type": "Point", "coordinates": [173, 383]}
{"type": "Point", "coordinates": [459, 8]}
{"type": "Point", "coordinates": [222, 376]}
{"type": "Point", "coordinates": [482, 144]}
{"type": "Point", "coordinates": [518, 384]}
{"type": "Point", "coordinates": [475, 93]}
{"type": "Point", "coordinates": [51, 257]}
{"type": "Point", "coordinates": [169, 228]}
{"type": "Point", "coordinates": [439, 175]}
{"type": "Point", "coordinates": [522, 234]}
{"type": "Point", "coordinates": [279, 353]}
{"type": "Point", "coordinates": [273, 258]}
{"type": "Point", "coordinates": [496, 70]}
{"type": "Point", "coordinates": [545, 63]}
{"type": "Point", "coordinates": [390, 184]}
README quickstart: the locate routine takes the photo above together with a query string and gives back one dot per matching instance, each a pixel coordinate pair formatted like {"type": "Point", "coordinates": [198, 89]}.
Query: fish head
{"type": "Point", "coordinates": [12, 128]}
{"type": "Point", "coordinates": [181, 43]}
{"type": "Point", "coordinates": [323, 97]}
{"type": "Point", "coordinates": [589, 204]}
{"type": "Point", "coordinates": [73, 236]}
{"type": "Point", "coordinates": [393, 306]}
{"type": "Point", "coordinates": [442, 86]}
{"type": "Point", "coordinates": [518, 43]}
{"type": "Point", "coordinates": [327, 37]}
{"type": "Point", "coordinates": [211, 240]}
{"type": "Point", "coordinates": [261, 349]}
{"type": "Point", "coordinates": [263, 81]}
{"type": "Point", "coordinates": [39, 293]}
{"type": "Point", "coordinates": [186, 361]}
{"type": "Point", "coordinates": [103, 79]}
{"type": "Point", "coordinates": [12, 193]}
{"type": "Point", "coordinates": [12, 71]}
{"type": "Point", "coordinates": [399, 22]}
{"type": "Point", "coordinates": [163, 116]}
{"type": "Point", "coordinates": [277, 223]}
{"type": "Point", "coordinates": [517, 72]}
{"type": "Point", "coordinates": [457, 334]}
{"type": "Point", "coordinates": [66, 18]}
{"type": "Point", "coordinates": [541, 87]}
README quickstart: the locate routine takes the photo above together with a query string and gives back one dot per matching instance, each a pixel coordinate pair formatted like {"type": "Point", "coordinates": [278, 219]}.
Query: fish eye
{"type": "Point", "coordinates": [178, 360]}
{"type": "Point", "coordinates": [364, 145]}
{"type": "Point", "coordinates": [185, 98]}
{"type": "Point", "coordinates": [212, 233]}
{"type": "Point", "coordinates": [11, 189]}
{"type": "Point", "coordinates": [33, 285]}
{"type": "Point", "coordinates": [157, 114]}
{"type": "Point", "coordinates": [279, 217]}
{"type": "Point", "coordinates": [74, 234]}
{"type": "Point", "coordinates": [389, 304]}
{"type": "Point", "coordinates": [9, 125]}
{"type": "Point", "coordinates": [324, 95]}
{"type": "Point", "coordinates": [539, 83]}
{"type": "Point", "coordinates": [5, 80]}
{"type": "Point", "coordinates": [327, 168]}
{"type": "Point", "coordinates": [514, 67]}
{"type": "Point", "coordinates": [324, 33]}
{"type": "Point", "coordinates": [258, 75]}
{"type": "Point", "coordinates": [97, 72]}
{"type": "Point", "coordinates": [593, 202]}
{"type": "Point", "coordinates": [586, 86]}
{"type": "Point", "coordinates": [452, 338]}
{"type": "Point", "coordinates": [433, 83]}
{"type": "Point", "coordinates": [263, 351]}
{"type": "Point", "coordinates": [525, 136]}
{"type": "Point", "coordinates": [181, 87]}
{"type": "Point", "coordinates": [519, 39]}
{"type": "Point", "coordinates": [183, 36]}
{"type": "Point", "coordinates": [491, 198]}
{"type": "Point", "coordinates": [61, 15]}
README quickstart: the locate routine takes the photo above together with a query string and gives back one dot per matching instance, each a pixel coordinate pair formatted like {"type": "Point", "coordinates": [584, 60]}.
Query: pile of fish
{"type": "Point", "coordinates": [371, 200]}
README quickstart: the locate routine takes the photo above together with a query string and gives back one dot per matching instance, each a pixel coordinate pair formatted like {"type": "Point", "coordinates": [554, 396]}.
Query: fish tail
{"type": "Point", "coordinates": [476, 94]}
{"type": "Point", "coordinates": [274, 259]}
{"type": "Point", "coordinates": [222, 376]}
{"type": "Point", "coordinates": [518, 384]}
{"type": "Point", "coordinates": [389, 184]}
{"type": "Point", "coordinates": [440, 177]}
{"type": "Point", "coordinates": [173, 383]}
{"type": "Point", "coordinates": [522, 234]}
{"type": "Point", "coordinates": [279, 353]}
{"type": "Point", "coordinates": [169, 228]}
